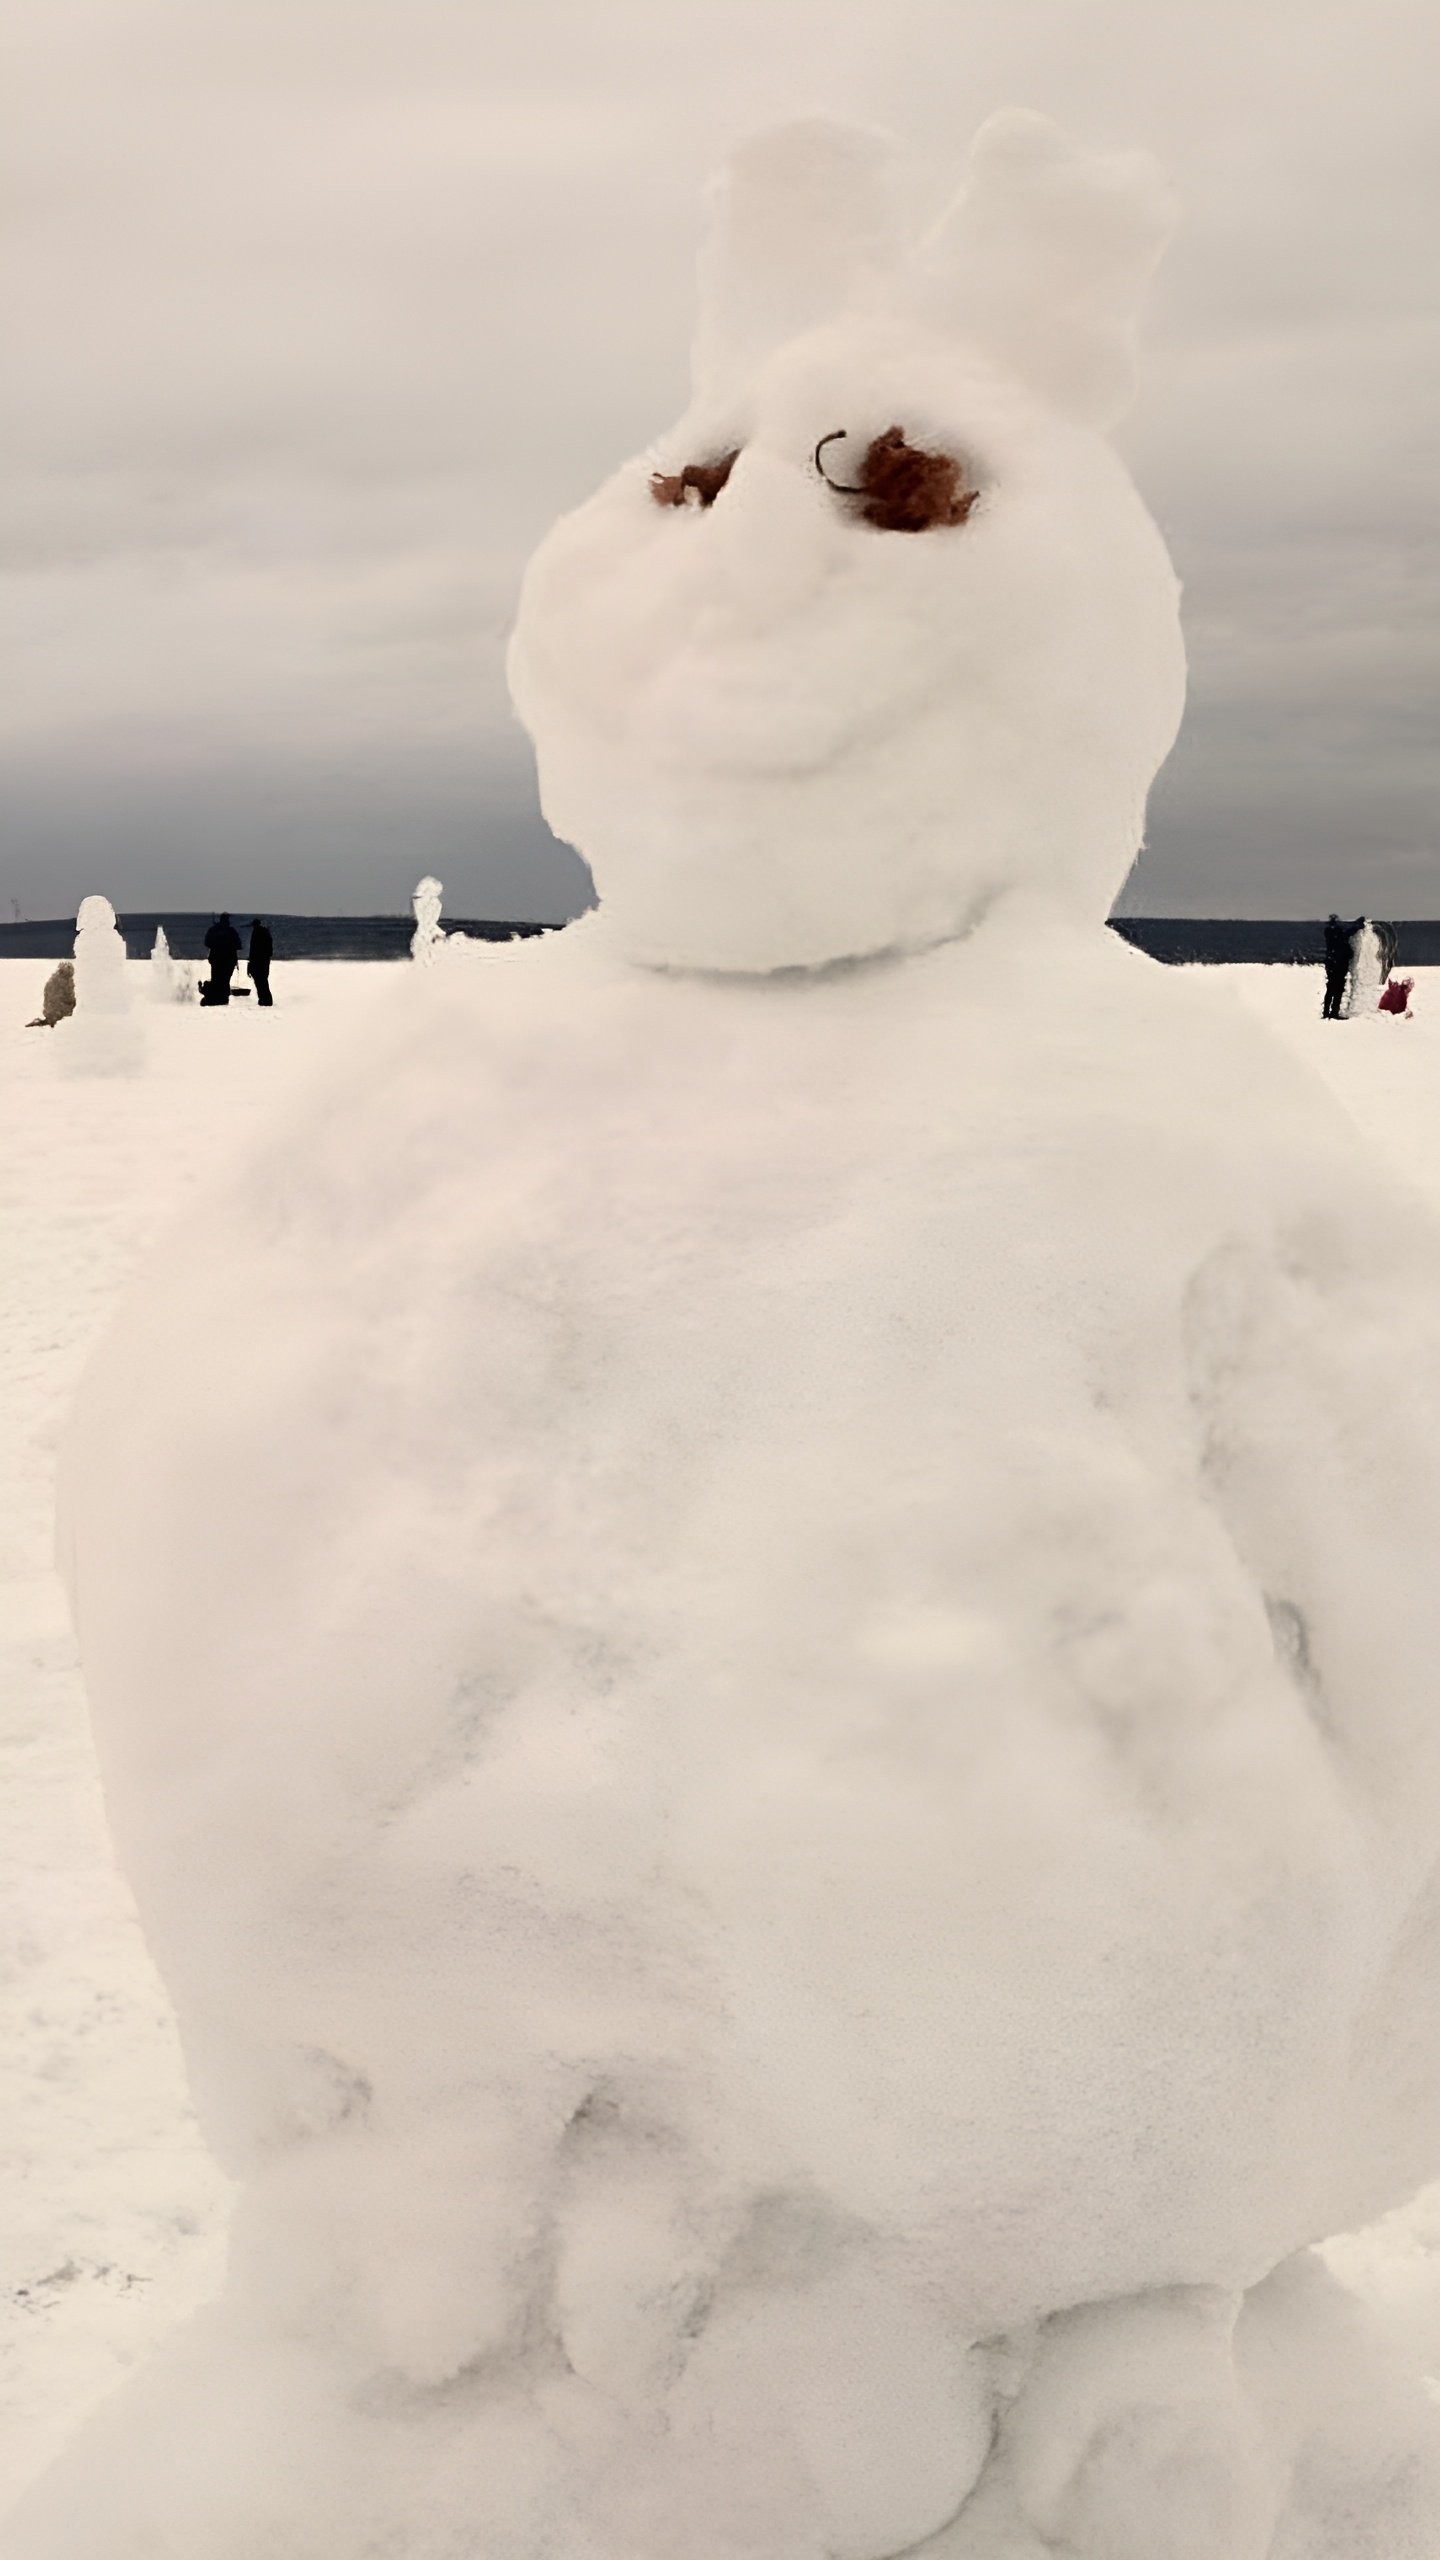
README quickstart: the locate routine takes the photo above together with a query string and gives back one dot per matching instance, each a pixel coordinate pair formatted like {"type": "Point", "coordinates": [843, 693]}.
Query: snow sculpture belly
{"type": "Point", "coordinates": [813, 1661]}
{"type": "Point", "coordinates": [806, 1877]}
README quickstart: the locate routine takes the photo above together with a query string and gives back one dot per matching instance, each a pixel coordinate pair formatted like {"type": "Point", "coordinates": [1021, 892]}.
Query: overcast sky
{"type": "Point", "coordinates": [317, 311]}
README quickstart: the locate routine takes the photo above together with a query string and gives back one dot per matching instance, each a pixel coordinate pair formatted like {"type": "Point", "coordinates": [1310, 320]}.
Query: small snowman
{"type": "Point", "coordinates": [104, 1035]}
{"type": "Point", "coordinates": [1368, 975]}
{"type": "Point", "coordinates": [809, 1887]}
{"type": "Point", "coordinates": [428, 937]}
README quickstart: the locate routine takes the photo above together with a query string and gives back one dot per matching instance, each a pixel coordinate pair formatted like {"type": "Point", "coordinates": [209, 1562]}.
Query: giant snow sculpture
{"type": "Point", "coordinates": [821, 1862]}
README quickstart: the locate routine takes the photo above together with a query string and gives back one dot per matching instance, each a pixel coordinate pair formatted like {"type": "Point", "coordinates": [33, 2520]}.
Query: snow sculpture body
{"type": "Point", "coordinates": [812, 1882]}
{"type": "Point", "coordinates": [104, 1036]}
{"type": "Point", "coordinates": [428, 903]}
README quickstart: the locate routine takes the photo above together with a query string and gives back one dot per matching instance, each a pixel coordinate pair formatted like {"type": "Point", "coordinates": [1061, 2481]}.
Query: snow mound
{"type": "Point", "coordinates": [171, 980]}
{"type": "Point", "coordinates": [162, 968]}
{"type": "Point", "coordinates": [815, 1861]}
{"type": "Point", "coordinates": [782, 735]}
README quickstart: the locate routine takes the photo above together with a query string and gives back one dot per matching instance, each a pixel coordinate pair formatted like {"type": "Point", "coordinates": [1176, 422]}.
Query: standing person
{"type": "Point", "coordinates": [258, 959]}
{"type": "Point", "coordinates": [1339, 961]}
{"type": "Point", "coordinates": [223, 944]}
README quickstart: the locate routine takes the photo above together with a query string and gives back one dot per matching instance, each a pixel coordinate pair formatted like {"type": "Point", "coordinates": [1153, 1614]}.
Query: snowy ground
{"type": "Point", "coordinates": [113, 2216]}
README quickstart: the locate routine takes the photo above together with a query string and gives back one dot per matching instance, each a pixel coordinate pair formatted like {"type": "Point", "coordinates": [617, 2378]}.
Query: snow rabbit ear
{"type": "Point", "coordinates": [805, 219]}
{"type": "Point", "coordinates": [1044, 259]}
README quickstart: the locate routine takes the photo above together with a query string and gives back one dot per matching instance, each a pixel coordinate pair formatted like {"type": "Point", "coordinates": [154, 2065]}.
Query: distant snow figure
{"type": "Point", "coordinates": [1339, 961]}
{"type": "Point", "coordinates": [58, 1001]}
{"type": "Point", "coordinates": [1368, 975]}
{"type": "Point", "coordinates": [168, 984]}
{"type": "Point", "coordinates": [426, 940]}
{"type": "Point", "coordinates": [106, 1037]}
{"type": "Point", "coordinates": [162, 968]}
{"type": "Point", "coordinates": [258, 959]}
{"type": "Point", "coordinates": [223, 944]}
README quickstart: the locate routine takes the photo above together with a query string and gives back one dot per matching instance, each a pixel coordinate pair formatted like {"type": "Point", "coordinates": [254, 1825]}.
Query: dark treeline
{"type": "Point", "coordinates": [1233, 938]}
{"type": "Point", "coordinates": [296, 937]}
{"type": "Point", "coordinates": [1216, 939]}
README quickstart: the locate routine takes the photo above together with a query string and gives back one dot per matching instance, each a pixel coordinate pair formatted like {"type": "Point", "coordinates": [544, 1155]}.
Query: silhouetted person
{"type": "Point", "coordinates": [1389, 941]}
{"type": "Point", "coordinates": [258, 959]}
{"type": "Point", "coordinates": [1339, 961]}
{"type": "Point", "coordinates": [223, 944]}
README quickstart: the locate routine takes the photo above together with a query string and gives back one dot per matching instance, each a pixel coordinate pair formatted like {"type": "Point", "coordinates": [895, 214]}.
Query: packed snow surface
{"type": "Point", "coordinates": [112, 2209]}
{"type": "Point", "coordinates": [757, 1629]}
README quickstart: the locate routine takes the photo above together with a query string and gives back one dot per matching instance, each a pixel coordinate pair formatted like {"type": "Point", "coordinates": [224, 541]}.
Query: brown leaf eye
{"type": "Point", "coordinates": [706, 479]}
{"type": "Point", "coordinates": [902, 489]}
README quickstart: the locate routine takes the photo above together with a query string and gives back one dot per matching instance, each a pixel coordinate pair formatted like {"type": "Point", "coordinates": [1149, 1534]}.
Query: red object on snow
{"type": "Point", "coordinates": [1395, 995]}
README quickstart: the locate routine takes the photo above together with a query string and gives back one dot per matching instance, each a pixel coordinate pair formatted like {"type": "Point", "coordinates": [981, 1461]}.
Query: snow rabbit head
{"type": "Point", "coordinates": [880, 628]}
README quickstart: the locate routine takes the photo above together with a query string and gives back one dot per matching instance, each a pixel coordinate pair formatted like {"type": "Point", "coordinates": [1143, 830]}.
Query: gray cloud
{"type": "Point", "coordinates": [316, 315]}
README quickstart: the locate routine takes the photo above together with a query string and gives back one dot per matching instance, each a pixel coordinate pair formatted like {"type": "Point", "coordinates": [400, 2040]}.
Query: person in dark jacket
{"type": "Point", "coordinates": [258, 959]}
{"type": "Point", "coordinates": [1339, 961]}
{"type": "Point", "coordinates": [223, 944]}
